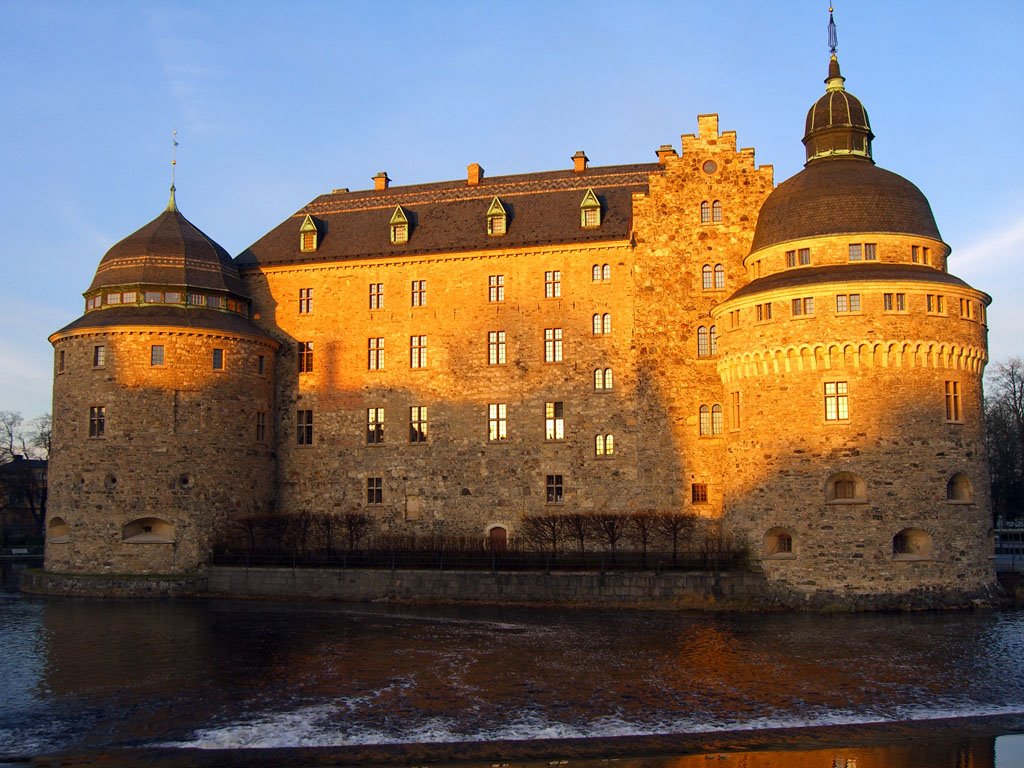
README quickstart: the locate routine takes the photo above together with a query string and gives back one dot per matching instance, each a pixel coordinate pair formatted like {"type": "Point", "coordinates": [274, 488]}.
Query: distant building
{"type": "Point", "coordinates": [22, 499]}
{"type": "Point", "coordinates": [795, 364]}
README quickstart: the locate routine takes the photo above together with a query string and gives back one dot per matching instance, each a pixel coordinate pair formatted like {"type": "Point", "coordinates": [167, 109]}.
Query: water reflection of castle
{"type": "Point", "coordinates": [795, 364]}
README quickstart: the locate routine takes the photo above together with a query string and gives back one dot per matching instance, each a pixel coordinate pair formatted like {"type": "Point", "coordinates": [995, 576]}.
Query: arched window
{"type": "Point", "coordinates": [912, 544]}
{"type": "Point", "coordinates": [57, 531]}
{"type": "Point", "coordinates": [959, 488]}
{"type": "Point", "coordinates": [719, 276]}
{"type": "Point", "coordinates": [603, 379]}
{"type": "Point", "coordinates": [705, 212]}
{"type": "Point", "coordinates": [713, 340]}
{"type": "Point", "coordinates": [778, 544]}
{"type": "Point", "coordinates": [716, 211]}
{"type": "Point", "coordinates": [606, 323]}
{"type": "Point", "coordinates": [606, 272]}
{"type": "Point", "coordinates": [147, 530]}
{"type": "Point", "coordinates": [716, 420]}
{"type": "Point", "coordinates": [702, 342]}
{"type": "Point", "coordinates": [596, 273]}
{"type": "Point", "coordinates": [597, 324]}
{"type": "Point", "coordinates": [707, 277]}
{"type": "Point", "coordinates": [705, 420]}
{"type": "Point", "coordinates": [604, 445]}
{"type": "Point", "coordinates": [845, 488]}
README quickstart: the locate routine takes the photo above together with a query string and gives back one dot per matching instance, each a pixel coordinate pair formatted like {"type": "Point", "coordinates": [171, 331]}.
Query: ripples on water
{"type": "Point", "coordinates": [86, 674]}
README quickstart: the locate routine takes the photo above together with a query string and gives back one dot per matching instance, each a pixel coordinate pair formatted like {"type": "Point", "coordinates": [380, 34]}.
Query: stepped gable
{"type": "Point", "coordinates": [450, 216]}
{"type": "Point", "coordinates": [168, 251]}
{"type": "Point", "coordinates": [847, 273]}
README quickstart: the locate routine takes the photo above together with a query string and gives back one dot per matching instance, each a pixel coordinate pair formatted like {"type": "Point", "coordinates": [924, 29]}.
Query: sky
{"type": "Point", "coordinates": [276, 103]}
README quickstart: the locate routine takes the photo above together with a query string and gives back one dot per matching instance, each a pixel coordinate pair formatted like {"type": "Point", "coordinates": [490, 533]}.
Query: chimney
{"type": "Point", "coordinates": [475, 174]}
{"type": "Point", "coordinates": [579, 161]}
{"type": "Point", "coordinates": [381, 180]}
{"type": "Point", "coordinates": [664, 152]}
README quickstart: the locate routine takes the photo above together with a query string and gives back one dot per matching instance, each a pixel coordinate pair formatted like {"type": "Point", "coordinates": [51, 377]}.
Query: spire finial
{"type": "Point", "coordinates": [833, 41]}
{"type": "Point", "coordinates": [171, 205]}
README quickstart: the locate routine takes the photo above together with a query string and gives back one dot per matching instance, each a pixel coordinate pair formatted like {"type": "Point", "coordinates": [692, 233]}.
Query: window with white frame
{"type": "Point", "coordinates": [497, 422]}
{"type": "Point", "coordinates": [496, 348]}
{"type": "Point", "coordinates": [837, 401]}
{"type": "Point", "coordinates": [552, 345]}
{"type": "Point", "coordinates": [554, 421]}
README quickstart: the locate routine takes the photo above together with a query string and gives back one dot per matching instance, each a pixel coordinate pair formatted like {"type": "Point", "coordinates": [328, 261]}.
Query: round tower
{"type": "Point", "coordinates": [853, 364]}
{"type": "Point", "coordinates": [162, 402]}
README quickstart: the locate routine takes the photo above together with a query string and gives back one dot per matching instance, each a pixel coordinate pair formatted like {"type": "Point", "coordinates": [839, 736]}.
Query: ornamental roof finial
{"type": "Point", "coordinates": [171, 205]}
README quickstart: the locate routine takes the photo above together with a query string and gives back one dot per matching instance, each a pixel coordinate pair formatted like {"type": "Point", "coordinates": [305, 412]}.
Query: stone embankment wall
{"type": "Point", "coordinates": [39, 582]}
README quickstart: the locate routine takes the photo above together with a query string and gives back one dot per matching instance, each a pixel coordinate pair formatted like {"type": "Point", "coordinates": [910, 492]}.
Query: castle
{"type": "Point", "coordinates": [795, 363]}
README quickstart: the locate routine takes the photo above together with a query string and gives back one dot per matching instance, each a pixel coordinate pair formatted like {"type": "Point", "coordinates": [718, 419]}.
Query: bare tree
{"type": "Point", "coordinates": [580, 527]}
{"type": "Point", "coordinates": [675, 526]}
{"type": "Point", "coordinates": [610, 527]}
{"type": "Point", "coordinates": [24, 447]}
{"type": "Point", "coordinates": [1004, 424]}
{"type": "Point", "coordinates": [325, 525]}
{"type": "Point", "coordinates": [356, 524]}
{"type": "Point", "coordinates": [545, 531]}
{"type": "Point", "coordinates": [643, 525]}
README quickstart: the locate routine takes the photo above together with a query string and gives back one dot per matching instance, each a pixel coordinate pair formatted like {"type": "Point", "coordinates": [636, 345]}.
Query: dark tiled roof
{"type": "Point", "coordinates": [843, 195]}
{"type": "Point", "coordinates": [166, 316]}
{"type": "Point", "coordinates": [847, 273]}
{"type": "Point", "coordinates": [169, 251]}
{"type": "Point", "coordinates": [450, 216]}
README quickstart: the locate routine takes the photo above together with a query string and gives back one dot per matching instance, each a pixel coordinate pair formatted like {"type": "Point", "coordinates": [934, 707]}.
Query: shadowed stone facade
{"type": "Point", "coordinates": [794, 364]}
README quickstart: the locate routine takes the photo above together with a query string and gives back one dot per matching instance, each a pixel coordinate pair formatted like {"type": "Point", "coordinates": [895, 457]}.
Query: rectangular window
{"type": "Point", "coordinates": [552, 345]}
{"type": "Point", "coordinates": [305, 356]}
{"type": "Point", "coordinates": [99, 356]}
{"type": "Point", "coordinates": [734, 408]}
{"type": "Point", "coordinates": [790, 258]}
{"type": "Point", "coordinates": [261, 427]}
{"type": "Point", "coordinates": [555, 489]}
{"type": "Point", "coordinates": [870, 251]}
{"type": "Point", "coordinates": [804, 255]}
{"type": "Point", "coordinates": [153, 297]}
{"type": "Point", "coordinates": [374, 426]}
{"type": "Point", "coordinates": [895, 302]}
{"type": "Point", "coordinates": [699, 493]}
{"type": "Point", "coordinates": [129, 297]}
{"type": "Point", "coordinates": [497, 422]}
{"type": "Point", "coordinates": [376, 353]}
{"type": "Point", "coordinates": [591, 217]}
{"type": "Point", "coordinates": [848, 302]}
{"type": "Point", "coordinates": [156, 354]}
{"type": "Point", "coordinates": [375, 490]}
{"type": "Point", "coordinates": [419, 293]}
{"type": "Point", "coordinates": [841, 303]}
{"type": "Point", "coordinates": [915, 253]}
{"type": "Point", "coordinates": [763, 312]}
{"type": "Point", "coordinates": [966, 309]}
{"type": "Point", "coordinates": [856, 252]}
{"type": "Point", "coordinates": [261, 365]}
{"type": "Point", "coordinates": [97, 420]}
{"type": "Point", "coordinates": [194, 299]}
{"type": "Point", "coordinates": [924, 254]}
{"type": "Point", "coordinates": [496, 288]}
{"type": "Point", "coordinates": [554, 421]}
{"type": "Point", "coordinates": [935, 303]}
{"type": "Point", "coordinates": [218, 359]}
{"type": "Point", "coordinates": [376, 295]}
{"type": "Point", "coordinates": [803, 306]}
{"type": "Point", "coordinates": [734, 318]}
{"type": "Point", "coordinates": [304, 427]}
{"type": "Point", "coordinates": [496, 348]}
{"type": "Point", "coordinates": [837, 404]}
{"type": "Point", "coordinates": [552, 284]}
{"type": "Point", "coordinates": [952, 401]}
{"type": "Point", "coordinates": [305, 301]}
{"type": "Point", "coordinates": [60, 361]}
{"type": "Point", "coordinates": [172, 297]}
{"type": "Point", "coordinates": [113, 298]}
{"type": "Point", "coordinates": [417, 351]}
{"type": "Point", "coordinates": [308, 241]}
{"type": "Point", "coordinates": [418, 424]}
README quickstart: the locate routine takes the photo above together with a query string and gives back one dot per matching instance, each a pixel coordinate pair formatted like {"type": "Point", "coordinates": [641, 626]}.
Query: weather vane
{"type": "Point", "coordinates": [833, 42]}
{"type": "Point", "coordinates": [174, 154]}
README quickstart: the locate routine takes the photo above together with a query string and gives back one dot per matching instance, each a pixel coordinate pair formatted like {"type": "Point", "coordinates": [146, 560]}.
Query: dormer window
{"type": "Point", "coordinates": [399, 226]}
{"type": "Point", "coordinates": [497, 219]}
{"type": "Point", "coordinates": [308, 235]}
{"type": "Point", "coordinates": [590, 211]}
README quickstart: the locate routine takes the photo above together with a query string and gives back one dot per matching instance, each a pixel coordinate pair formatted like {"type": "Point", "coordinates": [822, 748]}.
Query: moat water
{"type": "Point", "coordinates": [209, 674]}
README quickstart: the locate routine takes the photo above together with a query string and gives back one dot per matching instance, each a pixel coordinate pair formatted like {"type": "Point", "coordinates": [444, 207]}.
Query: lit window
{"type": "Point", "coordinates": [803, 306]}
{"type": "Point", "coordinates": [707, 279]}
{"type": "Point", "coordinates": [702, 342]}
{"type": "Point", "coordinates": [552, 345]}
{"type": "Point", "coordinates": [156, 354]}
{"type": "Point", "coordinates": [935, 303]}
{"type": "Point", "coordinates": [497, 422]}
{"type": "Point", "coordinates": [496, 348]}
{"type": "Point", "coordinates": [552, 284]}
{"type": "Point", "coordinates": [604, 445]}
{"type": "Point", "coordinates": [304, 427]}
{"type": "Point", "coordinates": [554, 421]}
{"type": "Point", "coordinates": [705, 212]}
{"type": "Point", "coordinates": [837, 403]}
{"type": "Point", "coordinates": [496, 288]}
{"type": "Point", "coordinates": [555, 489]}
{"type": "Point", "coordinates": [376, 353]}
{"type": "Point", "coordinates": [699, 493]}
{"type": "Point", "coordinates": [856, 252]}
{"type": "Point", "coordinates": [602, 324]}
{"type": "Point", "coordinates": [97, 420]}
{"type": "Point", "coordinates": [716, 419]}
{"type": "Point", "coordinates": [261, 427]}
{"type": "Point", "coordinates": [305, 357]}
{"type": "Point", "coordinates": [953, 401]}
{"type": "Point", "coordinates": [497, 219]}
{"type": "Point", "coordinates": [305, 301]}
{"type": "Point", "coordinates": [603, 379]}
{"type": "Point", "coordinates": [716, 211]}
{"type": "Point", "coordinates": [99, 356]}
{"type": "Point", "coordinates": [419, 293]}
{"type": "Point", "coordinates": [418, 424]}
{"type": "Point", "coordinates": [376, 295]}
{"type": "Point", "coordinates": [894, 302]}
{"type": "Point", "coordinates": [719, 277]}
{"type": "Point", "coordinates": [375, 490]}
{"type": "Point", "coordinates": [218, 359]}
{"type": "Point", "coordinates": [374, 426]}
{"type": "Point", "coordinates": [417, 351]}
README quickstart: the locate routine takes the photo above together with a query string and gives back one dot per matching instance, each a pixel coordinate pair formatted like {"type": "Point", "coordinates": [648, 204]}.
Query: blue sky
{"type": "Point", "coordinates": [277, 103]}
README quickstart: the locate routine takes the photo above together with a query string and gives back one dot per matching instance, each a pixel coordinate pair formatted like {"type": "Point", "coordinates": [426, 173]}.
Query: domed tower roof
{"type": "Point", "coordinates": [841, 190]}
{"type": "Point", "coordinates": [169, 251]}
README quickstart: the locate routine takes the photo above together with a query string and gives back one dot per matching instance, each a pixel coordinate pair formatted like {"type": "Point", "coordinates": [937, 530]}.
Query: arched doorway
{"type": "Point", "coordinates": [497, 540]}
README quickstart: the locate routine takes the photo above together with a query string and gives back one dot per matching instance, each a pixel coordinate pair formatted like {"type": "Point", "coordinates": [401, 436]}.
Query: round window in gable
{"type": "Point", "coordinates": [110, 482]}
{"type": "Point", "coordinates": [709, 167]}
{"type": "Point", "coordinates": [185, 481]}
